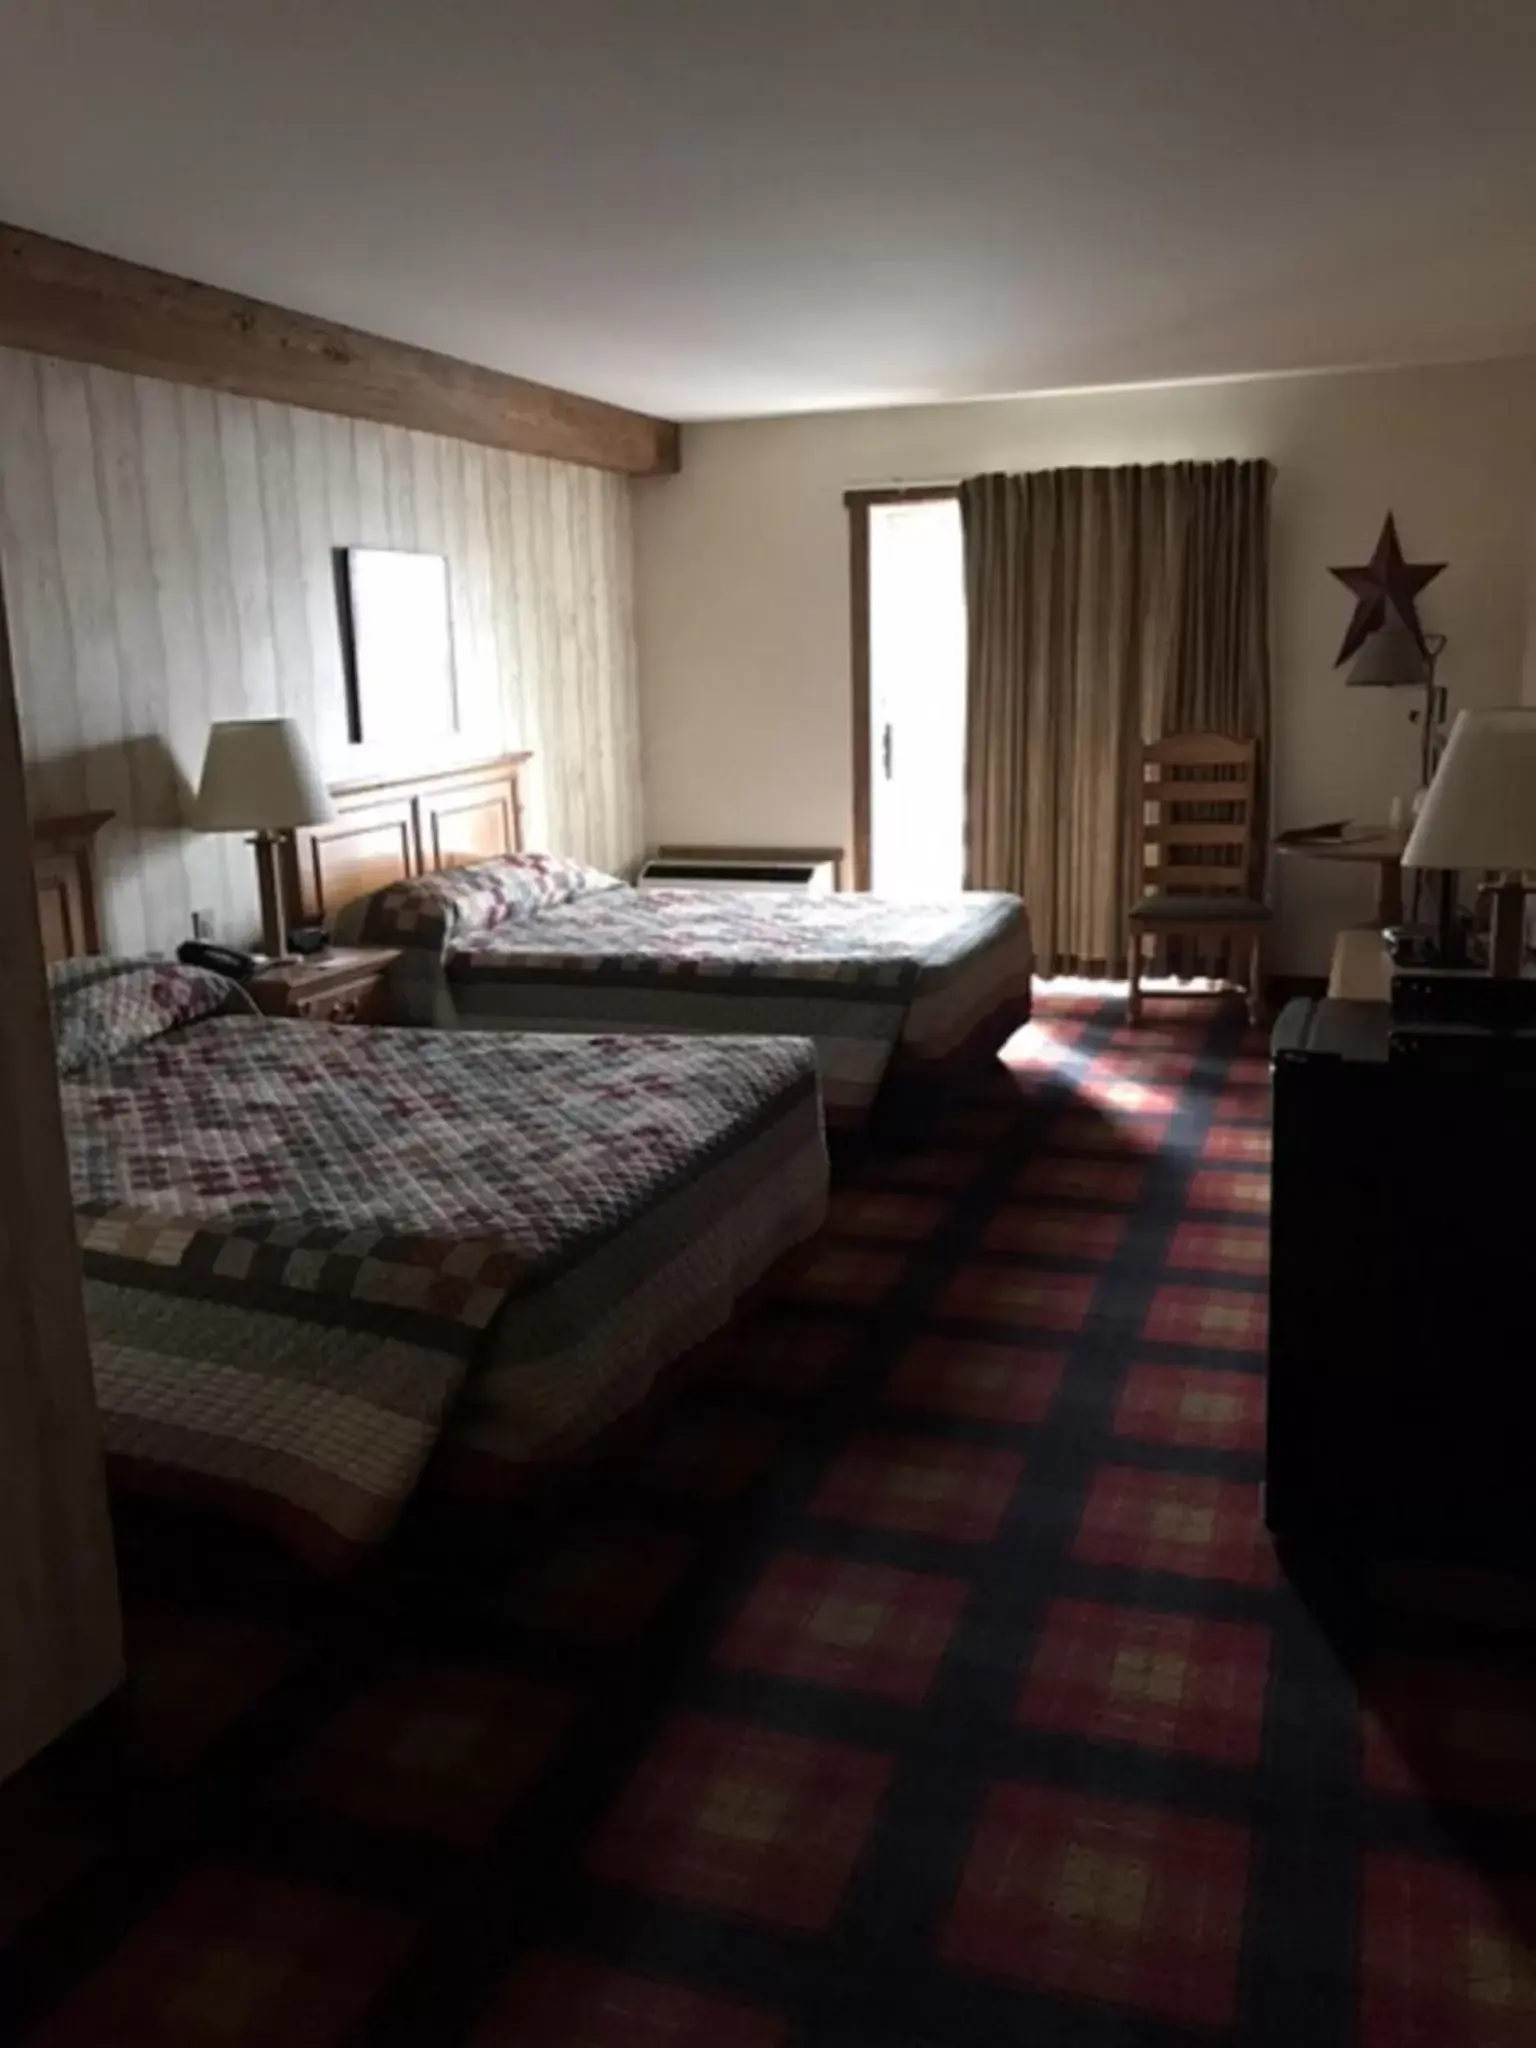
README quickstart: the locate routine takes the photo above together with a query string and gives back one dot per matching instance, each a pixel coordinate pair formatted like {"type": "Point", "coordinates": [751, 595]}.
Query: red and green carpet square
{"type": "Point", "coordinates": [922, 1675]}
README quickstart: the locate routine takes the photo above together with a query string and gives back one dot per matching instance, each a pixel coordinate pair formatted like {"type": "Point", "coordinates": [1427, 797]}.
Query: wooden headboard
{"type": "Point", "coordinates": [64, 871]}
{"type": "Point", "coordinates": [407, 825]}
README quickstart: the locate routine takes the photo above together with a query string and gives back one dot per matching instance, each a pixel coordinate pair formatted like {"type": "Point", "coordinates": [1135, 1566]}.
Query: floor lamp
{"type": "Point", "coordinates": [1392, 659]}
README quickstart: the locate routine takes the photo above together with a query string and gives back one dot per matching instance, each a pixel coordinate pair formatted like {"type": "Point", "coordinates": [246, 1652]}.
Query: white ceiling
{"type": "Point", "coordinates": [715, 207]}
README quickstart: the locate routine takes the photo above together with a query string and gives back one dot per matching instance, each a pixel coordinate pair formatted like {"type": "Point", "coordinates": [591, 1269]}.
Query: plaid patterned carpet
{"type": "Point", "coordinates": [922, 1676]}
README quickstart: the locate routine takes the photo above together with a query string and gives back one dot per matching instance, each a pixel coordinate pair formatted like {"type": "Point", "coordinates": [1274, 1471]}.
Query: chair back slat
{"type": "Point", "coordinates": [1199, 778]}
{"type": "Point", "coordinates": [1202, 750]}
{"type": "Point", "coordinates": [1204, 878]}
{"type": "Point", "coordinates": [1196, 832]}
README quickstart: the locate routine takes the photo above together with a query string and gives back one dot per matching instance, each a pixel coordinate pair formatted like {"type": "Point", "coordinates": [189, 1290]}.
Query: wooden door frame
{"type": "Point", "coordinates": [858, 504]}
{"type": "Point", "coordinates": [60, 1629]}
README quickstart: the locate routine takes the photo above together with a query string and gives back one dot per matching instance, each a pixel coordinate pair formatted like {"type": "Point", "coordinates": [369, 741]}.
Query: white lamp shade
{"type": "Point", "coordinates": [1480, 811]}
{"type": "Point", "coordinates": [259, 776]}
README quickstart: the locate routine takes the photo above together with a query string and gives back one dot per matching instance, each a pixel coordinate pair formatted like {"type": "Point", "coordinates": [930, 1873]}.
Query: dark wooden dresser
{"type": "Point", "coordinates": [1402, 1359]}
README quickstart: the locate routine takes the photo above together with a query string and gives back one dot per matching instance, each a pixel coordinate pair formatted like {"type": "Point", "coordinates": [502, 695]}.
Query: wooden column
{"type": "Point", "coordinates": [60, 1635]}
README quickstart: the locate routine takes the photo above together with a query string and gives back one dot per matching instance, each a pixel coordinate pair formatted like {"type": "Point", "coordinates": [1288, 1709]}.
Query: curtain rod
{"type": "Point", "coordinates": [895, 494]}
{"type": "Point", "coordinates": [949, 487]}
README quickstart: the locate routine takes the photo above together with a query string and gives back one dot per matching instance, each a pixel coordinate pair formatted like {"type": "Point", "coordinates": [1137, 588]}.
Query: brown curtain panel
{"type": "Point", "coordinates": [1106, 607]}
{"type": "Point", "coordinates": [1218, 676]}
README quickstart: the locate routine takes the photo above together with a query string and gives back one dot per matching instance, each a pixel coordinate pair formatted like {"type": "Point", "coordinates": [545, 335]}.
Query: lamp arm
{"type": "Point", "coordinates": [1434, 719]}
{"type": "Point", "coordinates": [1434, 710]}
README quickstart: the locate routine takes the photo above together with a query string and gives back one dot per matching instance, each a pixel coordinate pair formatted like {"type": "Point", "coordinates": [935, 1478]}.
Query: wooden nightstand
{"type": "Point", "coordinates": [344, 985]}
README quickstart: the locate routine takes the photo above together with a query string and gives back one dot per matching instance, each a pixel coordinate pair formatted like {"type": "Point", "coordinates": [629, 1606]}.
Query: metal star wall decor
{"type": "Point", "coordinates": [1384, 591]}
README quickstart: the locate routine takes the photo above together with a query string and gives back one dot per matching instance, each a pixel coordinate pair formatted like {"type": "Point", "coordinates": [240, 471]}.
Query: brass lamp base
{"type": "Point", "coordinates": [1506, 945]}
{"type": "Point", "coordinates": [269, 878]}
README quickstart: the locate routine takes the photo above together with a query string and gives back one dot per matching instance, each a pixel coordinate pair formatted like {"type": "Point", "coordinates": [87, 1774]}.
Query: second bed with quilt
{"type": "Point", "coordinates": [888, 991]}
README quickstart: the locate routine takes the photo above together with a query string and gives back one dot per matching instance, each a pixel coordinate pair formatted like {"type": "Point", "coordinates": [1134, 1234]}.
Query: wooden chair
{"type": "Point", "coordinates": [1197, 858]}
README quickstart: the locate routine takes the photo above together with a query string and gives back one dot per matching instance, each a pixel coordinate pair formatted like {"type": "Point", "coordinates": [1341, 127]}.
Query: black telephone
{"type": "Point", "coordinates": [226, 960]}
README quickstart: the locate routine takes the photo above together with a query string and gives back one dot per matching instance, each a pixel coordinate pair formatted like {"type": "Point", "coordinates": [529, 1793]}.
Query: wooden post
{"type": "Point", "coordinates": [60, 1631]}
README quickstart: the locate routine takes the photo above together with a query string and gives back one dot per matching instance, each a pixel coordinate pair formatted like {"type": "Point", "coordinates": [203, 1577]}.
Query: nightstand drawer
{"type": "Point", "coordinates": [345, 986]}
{"type": "Point", "coordinates": [356, 1003]}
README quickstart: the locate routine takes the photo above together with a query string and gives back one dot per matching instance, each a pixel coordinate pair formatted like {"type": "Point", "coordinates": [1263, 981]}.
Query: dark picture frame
{"type": "Point", "coordinates": [396, 612]}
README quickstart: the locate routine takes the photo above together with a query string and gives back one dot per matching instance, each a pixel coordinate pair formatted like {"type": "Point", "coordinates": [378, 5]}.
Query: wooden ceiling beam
{"type": "Point", "coordinates": [60, 300]}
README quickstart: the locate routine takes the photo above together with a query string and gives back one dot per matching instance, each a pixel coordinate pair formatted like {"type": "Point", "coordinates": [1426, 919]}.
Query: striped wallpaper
{"type": "Point", "coordinates": [168, 560]}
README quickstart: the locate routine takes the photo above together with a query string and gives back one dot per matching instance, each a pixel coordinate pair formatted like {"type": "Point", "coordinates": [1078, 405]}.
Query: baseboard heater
{"type": "Point", "coordinates": [812, 871]}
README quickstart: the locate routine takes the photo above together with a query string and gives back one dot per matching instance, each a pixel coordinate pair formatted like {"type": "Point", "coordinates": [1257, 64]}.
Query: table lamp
{"type": "Point", "coordinates": [1481, 813]}
{"type": "Point", "coordinates": [260, 777]}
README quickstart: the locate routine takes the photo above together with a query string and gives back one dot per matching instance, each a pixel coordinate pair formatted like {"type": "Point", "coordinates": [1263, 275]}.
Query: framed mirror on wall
{"type": "Point", "coordinates": [397, 646]}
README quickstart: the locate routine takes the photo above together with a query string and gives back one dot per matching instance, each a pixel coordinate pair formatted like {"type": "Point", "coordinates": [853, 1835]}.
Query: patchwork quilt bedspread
{"type": "Point", "coordinates": [310, 1250]}
{"type": "Point", "coordinates": [873, 982]}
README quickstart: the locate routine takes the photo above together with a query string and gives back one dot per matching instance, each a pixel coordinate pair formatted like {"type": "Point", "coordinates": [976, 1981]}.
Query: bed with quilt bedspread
{"type": "Point", "coordinates": [885, 989]}
{"type": "Point", "coordinates": [314, 1254]}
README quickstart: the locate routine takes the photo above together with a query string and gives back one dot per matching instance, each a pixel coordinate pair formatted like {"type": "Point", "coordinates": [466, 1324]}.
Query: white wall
{"type": "Point", "coordinates": [168, 561]}
{"type": "Point", "coordinates": [742, 565]}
